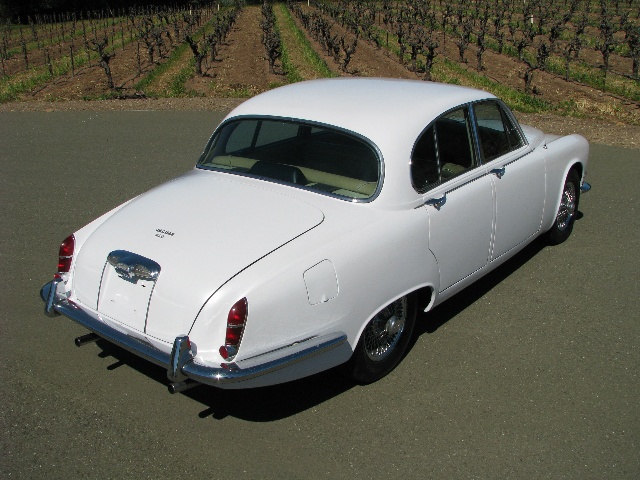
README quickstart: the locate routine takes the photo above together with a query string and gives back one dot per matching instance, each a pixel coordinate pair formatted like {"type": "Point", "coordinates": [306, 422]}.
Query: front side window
{"type": "Point", "coordinates": [319, 158]}
{"type": "Point", "coordinates": [443, 151]}
{"type": "Point", "coordinates": [496, 132]}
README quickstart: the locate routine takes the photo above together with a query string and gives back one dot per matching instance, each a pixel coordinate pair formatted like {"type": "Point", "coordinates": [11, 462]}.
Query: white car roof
{"type": "Point", "coordinates": [391, 113]}
{"type": "Point", "coordinates": [378, 108]}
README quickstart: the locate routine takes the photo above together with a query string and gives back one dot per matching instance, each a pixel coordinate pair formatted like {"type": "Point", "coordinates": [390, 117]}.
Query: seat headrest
{"type": "Point", "coordinates": [279, 171]}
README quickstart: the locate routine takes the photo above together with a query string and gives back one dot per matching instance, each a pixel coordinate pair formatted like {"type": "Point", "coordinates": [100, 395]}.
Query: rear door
{"type": "Point", "coordinates": [458, 196]}
{"type": "Point", "coordinates": [518, 177]}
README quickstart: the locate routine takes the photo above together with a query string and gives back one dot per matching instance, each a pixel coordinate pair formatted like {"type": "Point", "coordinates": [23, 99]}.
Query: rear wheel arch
{"type": "Point", "coordinates": [387, 336]}
{"type": "Point", "coordinates": [579, 168]}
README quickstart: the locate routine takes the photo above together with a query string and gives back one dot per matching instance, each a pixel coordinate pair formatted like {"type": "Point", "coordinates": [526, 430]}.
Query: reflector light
{"type": "Point", "coordinates": [65, 254]}
{"type": "Point", "coordinates": [226, 352]}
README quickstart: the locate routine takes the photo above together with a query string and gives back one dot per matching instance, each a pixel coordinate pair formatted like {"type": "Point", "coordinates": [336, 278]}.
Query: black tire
{"type": "Point", "coordinates": [566, 214]}
{"type": "Point", "coordinates": [383, 342]}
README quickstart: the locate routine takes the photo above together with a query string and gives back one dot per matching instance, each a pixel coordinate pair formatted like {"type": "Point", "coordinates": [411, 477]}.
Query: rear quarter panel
{"type": "Point", "coordinates": [378, 256]}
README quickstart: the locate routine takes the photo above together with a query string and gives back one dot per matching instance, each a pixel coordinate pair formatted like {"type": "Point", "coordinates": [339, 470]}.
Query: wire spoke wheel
{"type": "Point", "coordinates": [567, 208]}
{"type": "Point", "coordinates": [383, 341]}
{"type": "Point", "coordinates": [383, 333]}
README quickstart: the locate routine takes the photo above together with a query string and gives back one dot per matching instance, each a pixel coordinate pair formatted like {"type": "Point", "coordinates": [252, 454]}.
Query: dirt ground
{"type": "Point", "coordinates": [241, 70]}
{"type": "Point", "coordinates": [549, 87]}
{"type": "Point", "coordinates": [241, 67]}
{"type": "Point", "coordinates": [128, 66]}
{"type": "Point", "coordinates": [596, 131]}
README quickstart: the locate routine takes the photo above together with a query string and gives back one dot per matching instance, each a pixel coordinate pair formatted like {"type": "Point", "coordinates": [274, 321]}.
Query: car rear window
{"type": "Point", "coordinates": [319, 158]}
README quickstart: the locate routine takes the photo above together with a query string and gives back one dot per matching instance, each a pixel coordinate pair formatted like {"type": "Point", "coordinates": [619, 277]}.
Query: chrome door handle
{"type": "Point", "coordinates": [437, 202]}
{"type": "Point", "coordinates": [498, 172]}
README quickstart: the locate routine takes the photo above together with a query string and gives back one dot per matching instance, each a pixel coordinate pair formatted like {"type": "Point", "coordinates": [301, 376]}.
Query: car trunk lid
{"type": "Point", "coordinates": [196, 232]}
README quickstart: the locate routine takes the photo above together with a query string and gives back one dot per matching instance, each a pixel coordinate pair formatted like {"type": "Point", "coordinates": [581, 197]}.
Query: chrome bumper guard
{"type": "Point", "coordinates": [182, 369]}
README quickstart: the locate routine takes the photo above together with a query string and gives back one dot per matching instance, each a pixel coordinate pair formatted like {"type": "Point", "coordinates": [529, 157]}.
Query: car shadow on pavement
{"type": "Point", "coordinates": [430, 321]}
{"type": "Point", "coordinates": [263, 404]}
{"type": "Point", "coordinates": [267, 404]}
{"type": "Point", "coordinates": [276, 402]}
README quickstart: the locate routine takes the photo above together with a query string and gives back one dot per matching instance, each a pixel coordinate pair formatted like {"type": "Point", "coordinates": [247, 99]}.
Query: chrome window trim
{"type": "Point", "coordinates": [475, 158]}
{"type": "Point", "coordinates": [369, 143]}
{"type": "Point", "coordinates": [507, 111]}
{"type": "Point", "coordinates": [467, 182]}
{"type": "Point", "coordinates": [477, 154]}
{"type": "Point", "coordinates": [504, 110]}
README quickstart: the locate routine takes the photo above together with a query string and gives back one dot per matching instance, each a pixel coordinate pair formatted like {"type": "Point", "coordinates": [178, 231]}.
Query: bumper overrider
{"type": "Point", "coordinates": [183, 370]}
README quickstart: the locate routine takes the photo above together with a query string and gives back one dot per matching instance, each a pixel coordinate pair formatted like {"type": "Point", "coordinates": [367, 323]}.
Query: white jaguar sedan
{"type": "Point", "coordinates": [320, 217]}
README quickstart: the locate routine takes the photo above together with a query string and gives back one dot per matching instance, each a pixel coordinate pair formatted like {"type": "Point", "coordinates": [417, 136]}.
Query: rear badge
{"type": "Point", "coordinates": [160, 233]}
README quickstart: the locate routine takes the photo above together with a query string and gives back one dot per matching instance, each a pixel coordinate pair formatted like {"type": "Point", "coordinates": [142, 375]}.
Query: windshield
{"type": "Point", "coordinates": [301, 154]}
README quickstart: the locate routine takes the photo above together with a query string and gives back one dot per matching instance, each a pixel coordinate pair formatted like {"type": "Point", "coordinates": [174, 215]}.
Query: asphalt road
{"type": "Point", "coordinates": [533, 373]}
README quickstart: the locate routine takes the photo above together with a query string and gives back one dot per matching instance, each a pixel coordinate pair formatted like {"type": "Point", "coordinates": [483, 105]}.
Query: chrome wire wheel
{"type": "Point", "coordinates": [567, 209]}
{"type": "Point", "coordinates": [382, 334]}
{"type": "Point", "coordinates": [384, 341]}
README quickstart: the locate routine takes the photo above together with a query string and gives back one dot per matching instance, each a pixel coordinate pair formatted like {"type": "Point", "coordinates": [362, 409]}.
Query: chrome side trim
{"type": "Point", "coordinates": [185, 364]}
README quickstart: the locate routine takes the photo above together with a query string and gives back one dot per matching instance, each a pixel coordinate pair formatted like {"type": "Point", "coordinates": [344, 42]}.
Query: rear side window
{"type": "Point", "coordinates": [443, 151]}
{"type": "Point", "coordinates": [496, 132]}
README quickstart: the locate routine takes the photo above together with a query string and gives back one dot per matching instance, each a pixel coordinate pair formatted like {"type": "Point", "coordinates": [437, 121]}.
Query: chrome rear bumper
{"type": "Point", "coordinates": [181, 364]}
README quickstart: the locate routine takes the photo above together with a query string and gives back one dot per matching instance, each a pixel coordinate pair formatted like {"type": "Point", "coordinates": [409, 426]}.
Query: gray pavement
{"type": "Point", "coordinates": [532, 373]}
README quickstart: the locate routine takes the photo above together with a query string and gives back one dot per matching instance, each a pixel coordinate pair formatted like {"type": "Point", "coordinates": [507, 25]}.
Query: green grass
{"type": "Point", "coordinates": [11, 87]}
{"type": "Point", "coordinates": [28, 80]}
{"type": "Point", "coordinates": [588, 75]}
{"type": "Point", "coordinates": [515, 99]}
{"type": "Point", "coordinates": [158, 70]}
{"type": "Point", "coordinates": [310, 56]}
{"type": "Point", "coordinates": [579, 71]}
{"type": "Point", "coordinates": [448, 71]}
{"type": "Point", "coordinates": [290, 70]}
{"type": "Point", "coordinates": [238, 92]}
{"type": "Point", "coordinates": [177, 87]}
{"type": "Point", "coordinates": [178, 81]}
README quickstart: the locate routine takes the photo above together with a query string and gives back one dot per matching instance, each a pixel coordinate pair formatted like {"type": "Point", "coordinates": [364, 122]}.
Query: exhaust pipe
{"type": "Point", "coordinates": [84, 339]}
{"type": "Point", "coordinates": [178, 387]}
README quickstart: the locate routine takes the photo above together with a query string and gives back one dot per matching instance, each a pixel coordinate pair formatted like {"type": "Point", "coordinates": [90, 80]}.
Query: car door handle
{"type": "Point", "coordinates": [498, 172]}
{"type": "Point", "coordinates": [437, 202]}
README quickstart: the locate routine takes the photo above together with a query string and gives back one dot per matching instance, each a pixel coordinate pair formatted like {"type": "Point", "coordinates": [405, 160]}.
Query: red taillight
{"type": "Point", "coordinates": [65, 254]}
{"type": "Point", "coordinates": [236, 320]}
